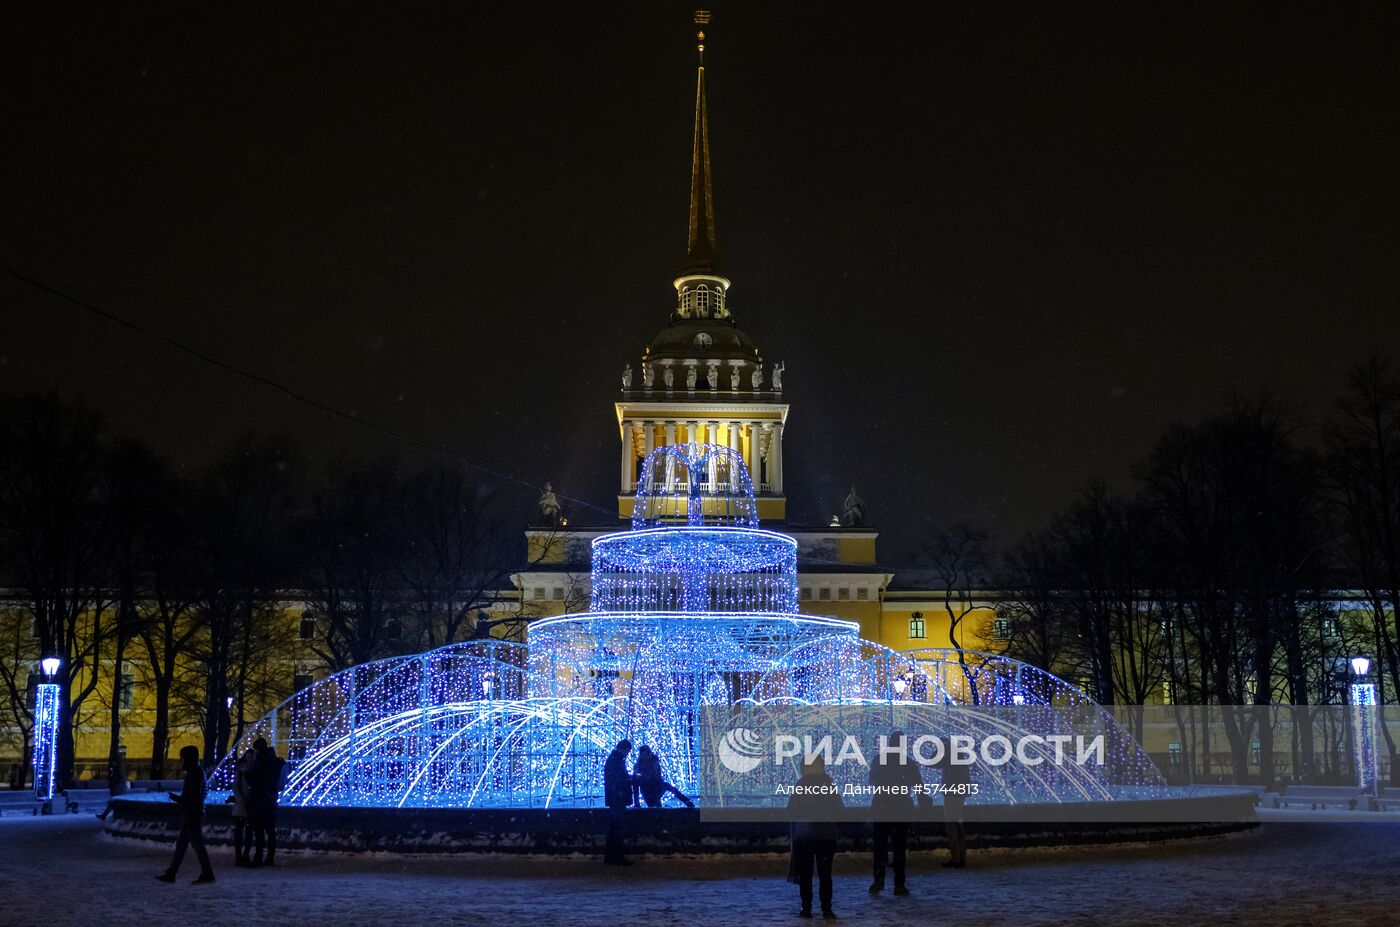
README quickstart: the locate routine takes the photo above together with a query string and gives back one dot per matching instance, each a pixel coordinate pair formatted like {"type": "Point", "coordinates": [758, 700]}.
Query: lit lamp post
{"type": "Point", "coordinates": [47, 715]}
{"type": "Point", "coordinates": [1363, 724]}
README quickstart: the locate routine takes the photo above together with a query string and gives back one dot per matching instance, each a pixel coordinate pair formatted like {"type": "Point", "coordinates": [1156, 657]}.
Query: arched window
{"type": "Point", "coordinates": [702, 301]}
{"type": "Point", "coordinates": [687, 301]}
{"type": "Point", "coordinates": [719, 302]}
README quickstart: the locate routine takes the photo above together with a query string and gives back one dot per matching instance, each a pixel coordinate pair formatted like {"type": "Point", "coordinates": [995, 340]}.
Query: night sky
{"type": "Point", "coordinates": [999, 246]}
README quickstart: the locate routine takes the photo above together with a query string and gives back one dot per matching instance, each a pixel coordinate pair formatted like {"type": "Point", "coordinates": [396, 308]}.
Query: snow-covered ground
{"type": "Point", "coordinates": [62, 870]}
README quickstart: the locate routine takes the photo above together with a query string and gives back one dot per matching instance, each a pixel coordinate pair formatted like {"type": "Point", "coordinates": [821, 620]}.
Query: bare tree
{"type": "Point", "coordinates": [53, 531]}
{"type": "Point", "coordinates": [353, 540]}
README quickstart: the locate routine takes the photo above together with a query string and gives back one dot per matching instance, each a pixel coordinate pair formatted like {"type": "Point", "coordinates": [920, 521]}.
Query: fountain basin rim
{"type": "Point", "coordinates": [837, 625]}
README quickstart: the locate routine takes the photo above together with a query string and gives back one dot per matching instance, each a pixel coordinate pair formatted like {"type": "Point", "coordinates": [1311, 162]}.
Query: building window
{"type": "Point", "coordinates": [806, 592]}
{"type": "Point", "coordinates": [1001, 629]}
{"type": "Point", "coordinates": [824, 594]}
{"type": "Point", "coordinates": [916, 626]}
{"type": "Point", "coordinates": [1254, 753]}
{"type": "Point", "coordinates": [126, 691]}
{"type": "Point", "coordinates": [558, 593]}
{"type": "Point", "coordinates": [863, 593]}
{"type": "Point", "coordinates": [702, 301]}
{"type": "Point", "coordinates": [843, 593]}
{"type": "Point", "coordinates": [308, 625]}
{"type": "Point", "coordinates": [301, 680]}
{"type": "Point", "coordinates": [393, 628]}
{"type": "Point", "coordinates": [719, 302]}
{"type": "Point", "coordinates": [537, 592]}
{"type": "Point", "coordinates": [1174, 754]}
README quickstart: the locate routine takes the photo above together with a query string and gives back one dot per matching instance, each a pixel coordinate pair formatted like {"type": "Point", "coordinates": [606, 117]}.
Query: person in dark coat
{"type": "Point", "coordinates": [651, 783]}
{"type": "Point", "coordinates": [191, 801]}
{"type": "Point", "coordinates": [242, 801]}
{"type": "Point", "coordinates": [957, 785]}
{"type": "Point", "coordinates": [898, 785]}
{"type": "Point", "coordinates": [814, 808]}
{"type": "Point", "coordinates": [265, 787]}
{"type": "Point", "coordinates": [617, 795]}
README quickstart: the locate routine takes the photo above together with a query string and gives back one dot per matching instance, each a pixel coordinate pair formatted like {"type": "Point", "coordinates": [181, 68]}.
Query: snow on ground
{"type": "Point", "coordinates": [62, 870]}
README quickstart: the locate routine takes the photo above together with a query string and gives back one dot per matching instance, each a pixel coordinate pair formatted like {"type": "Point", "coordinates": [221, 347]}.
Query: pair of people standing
{"type": "Point", "coordinates": [258, 781]}
{"type": "Point", "coordinates": [816, 806]}
{"type": "Point", "coordinates": [622, 790]}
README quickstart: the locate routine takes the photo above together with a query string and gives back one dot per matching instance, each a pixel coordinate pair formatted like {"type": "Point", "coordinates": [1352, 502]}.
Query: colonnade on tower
{"type": "Point", "coordinates": [702, 379]}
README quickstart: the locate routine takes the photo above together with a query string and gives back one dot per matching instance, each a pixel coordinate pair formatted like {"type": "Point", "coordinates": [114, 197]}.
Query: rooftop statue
{"type": "Point", "coordinates": [550, 509]}
{"type": "Point", "coordinates": [853, 510]}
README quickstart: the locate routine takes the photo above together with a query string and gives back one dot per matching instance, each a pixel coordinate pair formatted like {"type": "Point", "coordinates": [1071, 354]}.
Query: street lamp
{"type": "Point", "coordinates": [47, 715]}
{"type": "Point", "coordinates": [1363, 721]}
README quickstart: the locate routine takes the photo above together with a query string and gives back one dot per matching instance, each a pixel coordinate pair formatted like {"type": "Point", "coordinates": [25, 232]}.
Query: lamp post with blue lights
{"type": "Point", "coordinates": [1363, 724]}
{"type": "Point", "coordinates": [48, 714]}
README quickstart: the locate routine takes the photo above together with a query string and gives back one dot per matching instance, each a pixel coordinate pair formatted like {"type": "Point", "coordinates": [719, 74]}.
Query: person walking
{"type": "Point", "coordinates": [265, 787]}
{"type": "Point", "coordinates": [242, 799]}
{"type": "Point", "coordinates": [191, 801]}
{"type": "Point", "coordinates": [617, 795]}
{"type": "Point", "coordinates": [651, 783]}
{"type": "Point", "coordinates": [814, 808]}
{"type": "Point", "coordinates": [897, 783]}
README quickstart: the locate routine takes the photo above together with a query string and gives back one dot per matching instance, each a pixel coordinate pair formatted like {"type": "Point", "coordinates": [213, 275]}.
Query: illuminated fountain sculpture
{"type": "Point", "coordinates": [692, 610]}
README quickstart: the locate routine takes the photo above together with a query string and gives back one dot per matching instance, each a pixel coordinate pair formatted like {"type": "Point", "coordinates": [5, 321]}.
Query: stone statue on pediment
{"type": "Point", "coordinates": [853, 510]}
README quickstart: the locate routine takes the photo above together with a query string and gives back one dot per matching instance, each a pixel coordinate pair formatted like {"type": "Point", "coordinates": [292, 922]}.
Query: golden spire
{"type": "Point", "coordinates": [702, 254]}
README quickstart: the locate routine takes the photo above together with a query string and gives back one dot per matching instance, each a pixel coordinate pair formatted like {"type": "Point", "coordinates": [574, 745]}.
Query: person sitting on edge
{"type": "Point", "coordinates": [652, 785]}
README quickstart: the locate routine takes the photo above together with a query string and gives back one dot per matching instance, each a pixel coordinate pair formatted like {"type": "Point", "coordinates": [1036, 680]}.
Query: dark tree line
{"type": "Point", "coordinates": [1252, 554]}
{"type": "Point", "coordinates": [111, 558]}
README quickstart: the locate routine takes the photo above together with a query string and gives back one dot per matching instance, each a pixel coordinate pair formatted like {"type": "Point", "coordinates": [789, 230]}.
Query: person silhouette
{"type": "Point", "coordinates": [651, 783]}
{"type": "Point", "coordinates": [814, 808]}
{"type": "Point", "coordinates": [190, 798]}
{"type": "Point", "coordinates": [896, 783]}
{"type": "Point", "coordinates": [617, 795]}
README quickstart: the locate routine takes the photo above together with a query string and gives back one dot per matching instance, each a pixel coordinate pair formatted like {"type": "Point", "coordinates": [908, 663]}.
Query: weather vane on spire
{"type": "Point", "coordinates": [702, 18]}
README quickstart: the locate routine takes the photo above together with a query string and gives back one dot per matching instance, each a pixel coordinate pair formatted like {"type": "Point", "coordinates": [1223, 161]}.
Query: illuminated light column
{"type": "Point", "coordinates": [1363, 725]}
{"type": "Point", "coordinates": [47, 715]}
{"type": "Point", "coordinates": [775, 458]}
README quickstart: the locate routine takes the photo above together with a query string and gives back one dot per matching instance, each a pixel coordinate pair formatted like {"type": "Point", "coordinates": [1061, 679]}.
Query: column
{"type": "Point", "coordinates": [735, 445]}
{"type": "Point", "coordinates": [713, 438]}
{"type": "Point", "coordinates": [752, 458]}
{"type": "Point", "coordinates": [775, 458]}
{"type": "Point", "coordinates": [670, 461]}
{"type": "Point", "coordinates": [649, 435]}
{"type": "Point", "coordinates": [629, 459]}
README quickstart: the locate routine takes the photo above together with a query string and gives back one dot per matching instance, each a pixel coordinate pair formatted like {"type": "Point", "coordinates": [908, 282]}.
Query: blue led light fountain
{"type": "Point", "coordinates": [694, 607]}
